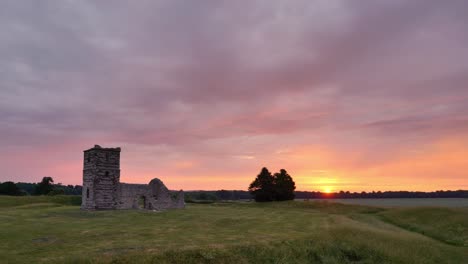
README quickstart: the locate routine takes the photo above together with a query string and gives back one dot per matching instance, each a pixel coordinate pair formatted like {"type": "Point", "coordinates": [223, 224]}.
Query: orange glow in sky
{"type": "Point", "coordinates": [441, 165]}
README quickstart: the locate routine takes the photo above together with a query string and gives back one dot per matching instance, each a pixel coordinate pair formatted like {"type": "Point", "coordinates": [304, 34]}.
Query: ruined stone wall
{"type": "Point", "coordinates": [163, 198]}
{"type": "Point", "coordinates": [102, 188]}
{"type": "Point", "coordinates": [152, 196]}
{"type": "Point", "coordinates": [129, 194]}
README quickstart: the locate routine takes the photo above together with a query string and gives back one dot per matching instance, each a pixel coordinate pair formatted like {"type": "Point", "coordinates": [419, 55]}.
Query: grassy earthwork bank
{"type": "Point", "coordinates": [54, 230]}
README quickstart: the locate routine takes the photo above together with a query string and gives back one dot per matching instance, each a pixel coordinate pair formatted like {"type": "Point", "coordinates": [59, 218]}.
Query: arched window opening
{"type": "Point", "coordinates": [107, 173]}
{"type": "Point", "coordinates": [142, 202]}
{"type": "Point", "coordinates": [87, 193]}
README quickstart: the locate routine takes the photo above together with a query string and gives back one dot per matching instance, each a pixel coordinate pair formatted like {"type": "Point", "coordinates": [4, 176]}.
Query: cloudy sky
{"type": "Point", "coordinates": [345, 95]}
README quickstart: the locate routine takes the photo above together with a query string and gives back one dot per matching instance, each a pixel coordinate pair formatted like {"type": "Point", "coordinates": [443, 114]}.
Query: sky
{"type": "Point", "coordinates": [344, 95]}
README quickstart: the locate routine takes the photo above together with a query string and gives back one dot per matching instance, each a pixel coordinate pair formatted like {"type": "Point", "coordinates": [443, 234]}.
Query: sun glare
{"type": "Point", "coordinates": [327, 190]}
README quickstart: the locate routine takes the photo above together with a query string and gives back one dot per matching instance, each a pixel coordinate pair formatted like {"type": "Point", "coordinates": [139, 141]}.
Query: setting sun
{"type": "Point", "coordinates": [327, 190]}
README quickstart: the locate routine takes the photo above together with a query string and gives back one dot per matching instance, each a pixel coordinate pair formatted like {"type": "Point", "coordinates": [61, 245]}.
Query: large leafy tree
{"type": "Point", "coordinates": [45, 186]}
{"type": "Point", "coordinates": [277, 187]}
{"type": "Point", "coordinates": [284, 186]}
{"type": "Point", "coordinates": [263, 188]}
{"type": "Point", "coordinates": [9, 188]}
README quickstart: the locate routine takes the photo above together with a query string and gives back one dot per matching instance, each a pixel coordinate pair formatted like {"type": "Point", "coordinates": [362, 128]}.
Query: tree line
{"type": "Point", "coordinates": [232, 195]}
{"type": "Point", "coordinates": [45, 187]}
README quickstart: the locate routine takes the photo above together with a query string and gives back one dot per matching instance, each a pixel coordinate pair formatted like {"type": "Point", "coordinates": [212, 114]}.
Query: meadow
{"type": "Point", "coordinates": [405, 202]}
{"type": "Point", "coordinates": [54, 230]}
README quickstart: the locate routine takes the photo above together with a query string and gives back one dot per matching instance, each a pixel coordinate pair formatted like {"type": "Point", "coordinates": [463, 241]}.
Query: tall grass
{"type": "Point", "coordinates": [444, 224]}
{"type": "Point", "coordinates": [48, 230]}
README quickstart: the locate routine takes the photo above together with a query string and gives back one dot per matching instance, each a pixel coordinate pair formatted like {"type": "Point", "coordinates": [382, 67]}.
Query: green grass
{"type": "Point", "coordinates": [444, 224]}
{"type": "Point", "coordinates": [49, 229]}
{"type": "Point", "coordinates": [14, 201]}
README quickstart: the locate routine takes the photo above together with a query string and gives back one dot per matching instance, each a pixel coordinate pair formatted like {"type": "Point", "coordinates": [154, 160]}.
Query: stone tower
{"type": "Point", "coordinates": [101, 178]}
{"type": "Point", "coordinates": [102, 189]}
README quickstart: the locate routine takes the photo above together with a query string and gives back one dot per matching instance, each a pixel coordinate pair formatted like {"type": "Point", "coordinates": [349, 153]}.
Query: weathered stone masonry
{"type": "Point", "coordinates": [102, 188]}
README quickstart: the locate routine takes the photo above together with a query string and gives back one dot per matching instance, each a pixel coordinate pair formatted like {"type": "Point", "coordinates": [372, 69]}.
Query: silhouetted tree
{"type": "Point", "coordinates": [27, 188]}
{"type": "Point", "coordinates": [45, 186]}
{"type": "Point", "coordinates": [224, 195]}
{"type": "Point", "coordinates": [9, 188]}
{"type": "Point", "coordinates": [263, 187]}
{"type": "Point", "coordinates": [206, 196]}
{"type": "Point", "coordinates": [284, 186]}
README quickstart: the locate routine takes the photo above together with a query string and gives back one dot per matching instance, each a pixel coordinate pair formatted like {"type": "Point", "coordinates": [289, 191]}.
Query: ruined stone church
{"type": "Point", "coordinates": [102, 189]}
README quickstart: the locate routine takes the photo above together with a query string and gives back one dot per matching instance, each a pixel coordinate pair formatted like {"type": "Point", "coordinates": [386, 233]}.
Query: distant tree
{"type": "Point", "coordinates": [27, 188]}
{"type": "Point", "coordinates": [78, 190]}
{"type": "Point", "coordinates": [263, 187]}
{"type": "Point", "coordinates": [284, 186]}
{"type": "Point", "coordinates": [202, 196]}
{"type": "Point", "coordinates": [45, 186]}
{"type": "Point", "coordinates": [9, 188]}
{"type": "Point", "coordinates": [56, 192]}
{"type": "Point", "coordinates": [224, 195]}
{"type": "Point", "coordinates": [188, 198]}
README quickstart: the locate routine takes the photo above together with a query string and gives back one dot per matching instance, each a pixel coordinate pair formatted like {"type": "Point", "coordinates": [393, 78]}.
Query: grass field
{"type": "Point", "coordinates": [407, 202]}
{"type": "Point", "coordinates": [54, 230]}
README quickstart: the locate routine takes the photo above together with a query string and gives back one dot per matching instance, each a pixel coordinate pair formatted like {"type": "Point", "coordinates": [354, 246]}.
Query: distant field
{"type": "Point", "coordinates": [405, 202]}
{"type": "Point", "coordinates": [53, 230]}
